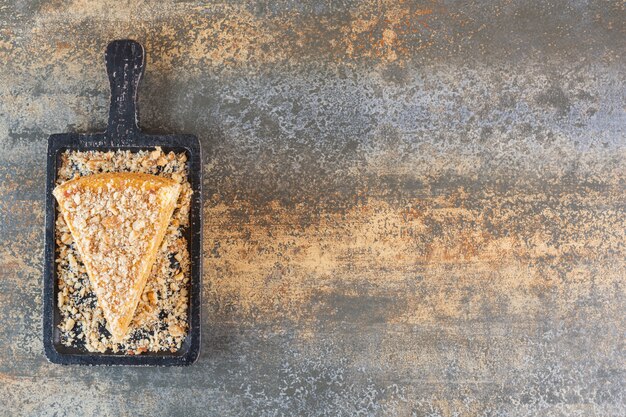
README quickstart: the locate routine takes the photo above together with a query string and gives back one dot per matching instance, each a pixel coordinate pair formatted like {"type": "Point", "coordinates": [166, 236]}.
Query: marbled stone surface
{"type": "Point", "coordinates": [412, 208]}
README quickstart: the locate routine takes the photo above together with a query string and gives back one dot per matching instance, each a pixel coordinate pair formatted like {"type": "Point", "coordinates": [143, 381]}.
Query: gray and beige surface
{"type": "Point", "coordinates": [412, 208]}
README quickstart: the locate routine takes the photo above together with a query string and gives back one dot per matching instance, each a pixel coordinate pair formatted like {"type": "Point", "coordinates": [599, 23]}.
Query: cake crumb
{"type": "Point", "coordinates": [160, 322]}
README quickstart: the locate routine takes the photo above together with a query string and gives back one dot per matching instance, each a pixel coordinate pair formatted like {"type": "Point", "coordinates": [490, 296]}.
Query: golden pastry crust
{"type": "Point", "coordinates": [118, 221]}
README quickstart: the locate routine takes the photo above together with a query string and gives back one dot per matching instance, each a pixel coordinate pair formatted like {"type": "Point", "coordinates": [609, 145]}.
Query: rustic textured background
{"type": "Point", "coordinates": [412, 208]}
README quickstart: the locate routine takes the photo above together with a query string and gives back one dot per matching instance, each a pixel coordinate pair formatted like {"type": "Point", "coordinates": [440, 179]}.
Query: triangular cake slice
{"type": "Point", "coordinates": [118, 221]}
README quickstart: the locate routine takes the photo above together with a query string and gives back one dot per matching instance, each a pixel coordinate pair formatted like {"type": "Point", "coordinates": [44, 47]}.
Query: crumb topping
{"type": "Point", "coordinates": [118, 221]}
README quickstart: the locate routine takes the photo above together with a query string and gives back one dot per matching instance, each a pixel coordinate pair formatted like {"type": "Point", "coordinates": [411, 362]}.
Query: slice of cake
{"type": "Point", "coordinates": [118, 221]}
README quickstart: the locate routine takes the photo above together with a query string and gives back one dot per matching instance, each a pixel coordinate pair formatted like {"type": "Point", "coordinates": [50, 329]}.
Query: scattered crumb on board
{"type": "Point", "coordinates": [160, 321]}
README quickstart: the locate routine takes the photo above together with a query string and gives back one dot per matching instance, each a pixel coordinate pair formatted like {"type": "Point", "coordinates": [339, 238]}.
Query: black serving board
{"type": "Point", "coordinates": [125, 62]}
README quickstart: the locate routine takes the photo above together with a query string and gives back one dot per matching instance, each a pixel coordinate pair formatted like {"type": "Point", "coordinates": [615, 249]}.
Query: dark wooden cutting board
{"type": "Point", "coordinates": [125, 62]}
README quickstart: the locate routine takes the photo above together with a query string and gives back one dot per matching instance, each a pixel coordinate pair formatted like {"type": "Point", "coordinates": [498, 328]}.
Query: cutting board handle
{"type": "Point", "coordinates": [125, 61]}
